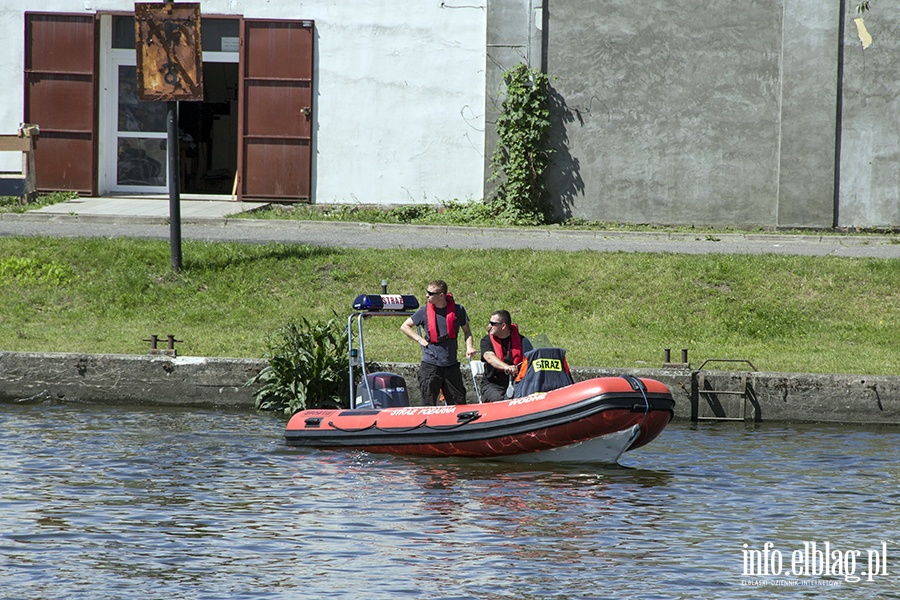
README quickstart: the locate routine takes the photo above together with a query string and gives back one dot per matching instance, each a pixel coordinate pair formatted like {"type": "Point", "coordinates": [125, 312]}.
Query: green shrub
{"type": "Point", "coordinates": [522, 152]}
{"type": "Point", "coordinates": [25, 270]}
{"type": "Point", "coordinates": [468, 213]}
{"type": "Point", "coordinates": [308, 368]}
{"type": "Point", "coordinates": [411, 213]}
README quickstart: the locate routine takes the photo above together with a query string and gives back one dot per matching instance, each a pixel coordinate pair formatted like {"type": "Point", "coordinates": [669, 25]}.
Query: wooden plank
{"type": "Point", "coordinates": [14, 143]}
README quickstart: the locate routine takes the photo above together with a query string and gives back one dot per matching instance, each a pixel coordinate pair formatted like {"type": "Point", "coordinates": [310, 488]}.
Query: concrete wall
{"type": "Point", "coordinates": [399, 91]}
{"type": "Point", "coordinates": [515, 34]}
{"type": "Point", "coordinates": [870, 125]}
{"type": "Point", "coordinates": [659, 101]}
{"type": "Point", "coordinates": [727, 113]}
{"type": "Point", "coordinates": [810, 37]}
{"type": "Point", "coordinates": [126, 379]}
{"type": "Point", "coordinates": [191, 381]}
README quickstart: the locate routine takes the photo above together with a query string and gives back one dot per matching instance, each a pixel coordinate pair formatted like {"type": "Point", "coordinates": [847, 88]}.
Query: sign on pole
{"type": "Point", "coordinates": [169, 69]}
{"type": "Point", "coordinates": [169, 56]}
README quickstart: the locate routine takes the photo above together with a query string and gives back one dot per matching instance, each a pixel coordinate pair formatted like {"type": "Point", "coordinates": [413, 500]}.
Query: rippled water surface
{"type": "Point", "coordinates": [101, 502]}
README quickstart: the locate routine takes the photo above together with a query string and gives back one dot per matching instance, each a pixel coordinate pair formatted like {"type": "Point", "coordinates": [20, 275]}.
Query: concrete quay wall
{"type": "Point", "coordinates": [127, 379]}
{"type": "Point", "coordinates": [221, 382]}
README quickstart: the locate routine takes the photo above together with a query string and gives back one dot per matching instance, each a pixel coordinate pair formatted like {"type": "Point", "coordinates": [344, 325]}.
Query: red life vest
{"type": "Point", "coordinates": [433, 336]}
{"type": "Point", "coordinates": [515, 345]}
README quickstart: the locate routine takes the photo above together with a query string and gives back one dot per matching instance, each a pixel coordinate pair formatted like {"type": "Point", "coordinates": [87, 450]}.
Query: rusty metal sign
{"type": "Point", "coordinates": [169, 57]}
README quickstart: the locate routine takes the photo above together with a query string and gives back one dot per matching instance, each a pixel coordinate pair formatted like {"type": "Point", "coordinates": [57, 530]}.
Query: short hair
{"type": "Point", "coordinates": [503, 315]}
{"type": "Point", "coordinates": [440, 284]}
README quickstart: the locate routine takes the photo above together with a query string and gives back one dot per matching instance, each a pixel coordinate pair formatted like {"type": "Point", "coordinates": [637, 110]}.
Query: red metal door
{"type": "Point", "coordinates": [275, 154]}
{"type": "Point", "coordinates": [60, 97]}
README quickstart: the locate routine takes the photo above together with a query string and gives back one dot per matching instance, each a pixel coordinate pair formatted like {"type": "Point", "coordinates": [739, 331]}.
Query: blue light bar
{"type": "Point", "coordinates": [386, 302]}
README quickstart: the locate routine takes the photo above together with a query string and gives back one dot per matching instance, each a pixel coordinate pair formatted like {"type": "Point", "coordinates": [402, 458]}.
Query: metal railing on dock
{"type": "Point", "coordinates": [717, 398]}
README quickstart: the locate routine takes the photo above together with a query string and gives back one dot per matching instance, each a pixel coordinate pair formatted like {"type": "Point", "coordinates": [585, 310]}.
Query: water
{"type": "Point", "coordinates": [103, 502]}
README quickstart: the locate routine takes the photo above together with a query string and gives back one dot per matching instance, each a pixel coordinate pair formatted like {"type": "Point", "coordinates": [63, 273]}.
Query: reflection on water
{"type": "Point", "coordinates": [106, 502]}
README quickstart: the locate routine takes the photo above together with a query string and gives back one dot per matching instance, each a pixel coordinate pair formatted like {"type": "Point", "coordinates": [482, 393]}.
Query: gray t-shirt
{"type": "Point", "coordinates": [444, 352]}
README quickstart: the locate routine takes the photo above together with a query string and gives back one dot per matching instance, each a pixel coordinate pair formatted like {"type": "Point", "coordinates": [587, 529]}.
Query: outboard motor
{"type": "Point", "coordinates": [388, 390]}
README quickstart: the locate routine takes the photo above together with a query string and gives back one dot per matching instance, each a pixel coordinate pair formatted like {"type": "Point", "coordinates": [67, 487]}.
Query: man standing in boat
{"type": "Point", "coordinates": [502, 350]}
{"type": "Point", "coordinates": [442, 318]}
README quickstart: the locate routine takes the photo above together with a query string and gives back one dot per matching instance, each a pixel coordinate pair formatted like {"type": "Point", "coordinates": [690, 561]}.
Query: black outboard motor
{"type": "Point", "coordinates": [388, 390]}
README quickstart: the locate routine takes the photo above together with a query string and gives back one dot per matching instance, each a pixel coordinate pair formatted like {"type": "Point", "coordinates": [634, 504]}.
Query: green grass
{"type": "Point", "coordinates": [617, 310]}
{"type": "Point", "coordinates": [12, 204]}
{"type": "Point", "coordinates": [480, 214]}
{"type": "Point", "coordinates": [473, 213]}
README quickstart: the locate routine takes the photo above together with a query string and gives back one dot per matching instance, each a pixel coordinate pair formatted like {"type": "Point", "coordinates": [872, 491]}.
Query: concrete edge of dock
{"type": "Point", "coordinates": [163, 380]}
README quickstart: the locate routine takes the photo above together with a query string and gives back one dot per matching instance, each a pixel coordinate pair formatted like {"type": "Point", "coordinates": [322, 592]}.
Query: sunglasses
{"type": "Point", "coordinates": [493, 324]}
{"type": "Point", "coordinates": [427, 293]}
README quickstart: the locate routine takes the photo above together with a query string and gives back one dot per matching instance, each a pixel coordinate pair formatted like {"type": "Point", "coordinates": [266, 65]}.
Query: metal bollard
{"type": "Point", "coordinates": [169, 350]}
{"type": "Point", "coordinates": [154, 340]}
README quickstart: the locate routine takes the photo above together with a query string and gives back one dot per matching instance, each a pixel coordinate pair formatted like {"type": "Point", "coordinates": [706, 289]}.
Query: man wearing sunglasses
{"type": "Point", "coordinates": [441, 319]}
{"type": "Point", "coordinates": [502, 350]}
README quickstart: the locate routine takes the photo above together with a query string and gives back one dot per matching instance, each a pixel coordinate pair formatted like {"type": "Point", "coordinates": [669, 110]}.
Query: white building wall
{"type": "Point", "coordinates": [12, 65]}
{"type": "Point", "coordinates": [399, 91]}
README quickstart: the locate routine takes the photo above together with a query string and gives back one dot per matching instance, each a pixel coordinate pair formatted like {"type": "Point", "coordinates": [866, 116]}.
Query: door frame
{"type": "Point", "coordinates": [112, 59]}
{"type": "Point", "coordinates": [107, 155]}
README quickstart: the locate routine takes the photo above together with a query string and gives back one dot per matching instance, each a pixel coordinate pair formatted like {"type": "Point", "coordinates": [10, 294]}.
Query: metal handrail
{"type": "Point", "coordinates": [360, 358]}
{"type": "Point", "coordinates": [732, 360]}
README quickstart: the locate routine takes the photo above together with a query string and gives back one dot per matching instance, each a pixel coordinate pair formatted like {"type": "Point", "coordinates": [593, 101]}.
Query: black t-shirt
{"type": "Point", "coordinates": [490, 373]}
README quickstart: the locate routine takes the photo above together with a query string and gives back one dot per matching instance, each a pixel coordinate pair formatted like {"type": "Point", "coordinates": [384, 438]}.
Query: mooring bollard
{"type": "Point", "coordinates": [169, 350]}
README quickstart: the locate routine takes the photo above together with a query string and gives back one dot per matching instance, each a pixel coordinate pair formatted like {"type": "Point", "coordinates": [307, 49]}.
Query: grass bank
{"type": "Point", "coordinates": [784, 313]}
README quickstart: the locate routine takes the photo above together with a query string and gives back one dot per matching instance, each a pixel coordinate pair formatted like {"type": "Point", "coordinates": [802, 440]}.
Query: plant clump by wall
{"type": "Point", "coordinates": [308, 368]}
{"type": "Point", "coordinates": [522, 152]}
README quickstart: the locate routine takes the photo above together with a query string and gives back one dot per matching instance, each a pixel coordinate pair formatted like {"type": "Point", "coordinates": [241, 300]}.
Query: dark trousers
{"type": "Point", "coordinates": [434, 379]}
{"type": "Point", "coordinates": [491, 392]}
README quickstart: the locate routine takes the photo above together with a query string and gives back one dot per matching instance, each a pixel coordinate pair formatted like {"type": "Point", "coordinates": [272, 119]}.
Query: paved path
{"type": "Point", "coordinates": [208, 221]}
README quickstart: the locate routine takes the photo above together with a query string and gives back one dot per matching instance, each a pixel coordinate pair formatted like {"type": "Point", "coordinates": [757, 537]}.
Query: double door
{"type": "Point", "coordinates": [98, 138]}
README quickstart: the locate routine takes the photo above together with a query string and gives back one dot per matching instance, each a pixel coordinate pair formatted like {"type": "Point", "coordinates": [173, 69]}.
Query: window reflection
{"type": "Point", "coordinates": [135, 115]}
{"type": "Point", "coordinates": [141, 162]}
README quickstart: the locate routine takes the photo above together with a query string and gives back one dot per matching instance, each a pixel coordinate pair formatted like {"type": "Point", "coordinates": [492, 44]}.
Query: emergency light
{"type": "Point", "coordinates": [405, 302]}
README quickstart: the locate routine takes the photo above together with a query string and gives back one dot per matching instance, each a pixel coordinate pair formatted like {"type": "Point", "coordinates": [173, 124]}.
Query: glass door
{"type": "Point", "coordinates": [141, 162]}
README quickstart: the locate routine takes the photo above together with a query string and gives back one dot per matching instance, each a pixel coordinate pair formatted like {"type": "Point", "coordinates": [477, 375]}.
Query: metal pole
{"type": "Point", "coordinates": [174, 180]}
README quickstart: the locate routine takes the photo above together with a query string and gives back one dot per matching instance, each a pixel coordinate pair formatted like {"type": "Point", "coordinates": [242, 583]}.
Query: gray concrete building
{"type": "Point", "coordinates": [745, 113]}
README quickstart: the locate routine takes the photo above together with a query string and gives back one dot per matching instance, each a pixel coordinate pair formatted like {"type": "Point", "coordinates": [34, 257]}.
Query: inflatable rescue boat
{"type": "Point", "coordinates": [549, 417]}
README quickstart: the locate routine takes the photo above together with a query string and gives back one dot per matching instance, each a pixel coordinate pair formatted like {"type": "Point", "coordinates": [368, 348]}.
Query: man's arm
{"type": "Point", "coordinates": [408, 328]}
{"type": "Point", "coordinates": [470, 341]}
{"type": "Point", "coordinates": [495, 361]}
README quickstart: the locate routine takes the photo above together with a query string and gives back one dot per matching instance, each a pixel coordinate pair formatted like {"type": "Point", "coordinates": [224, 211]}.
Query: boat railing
{"type": "Point", "coordinates": [358, 353]}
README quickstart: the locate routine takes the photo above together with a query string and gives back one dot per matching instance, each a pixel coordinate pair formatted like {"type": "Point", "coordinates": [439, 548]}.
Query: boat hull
{"type": "Point", "coordinates": [605, 449]}
{"type": "Point", "coordinates": [590, 421]}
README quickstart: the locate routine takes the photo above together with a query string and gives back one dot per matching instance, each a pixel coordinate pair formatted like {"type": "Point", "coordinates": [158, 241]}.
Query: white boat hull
{"type": "Point", "coordinates": [605, 449]}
